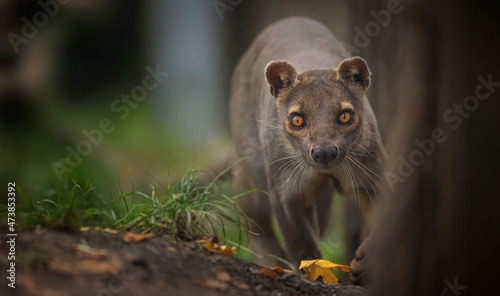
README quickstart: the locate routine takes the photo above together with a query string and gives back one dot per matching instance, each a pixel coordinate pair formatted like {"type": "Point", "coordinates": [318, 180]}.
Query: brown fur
{"type": "Point", "coordinates": [306, 73]}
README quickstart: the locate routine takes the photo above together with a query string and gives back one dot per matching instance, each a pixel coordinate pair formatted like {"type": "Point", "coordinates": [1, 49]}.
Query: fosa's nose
{"type": "Point", "coordinates": [324, 154]}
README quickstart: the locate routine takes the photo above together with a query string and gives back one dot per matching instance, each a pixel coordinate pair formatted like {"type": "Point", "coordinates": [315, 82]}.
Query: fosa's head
{"type": "Point", "coordinates": [321, 111]}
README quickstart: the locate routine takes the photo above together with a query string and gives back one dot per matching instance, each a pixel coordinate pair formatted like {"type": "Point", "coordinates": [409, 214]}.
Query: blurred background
{"type": "Point", "coordinates": [65, 66]}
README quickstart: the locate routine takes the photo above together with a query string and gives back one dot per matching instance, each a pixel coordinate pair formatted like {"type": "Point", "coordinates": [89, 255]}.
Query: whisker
{"type": "Point", "coordinates": [343, 171]}
{"type": "Point", "coordinates": [363, 148]}
{"type": "Point", "coordinates": [361, 165]}
{"type": "Point", "coordinates": [301, 185]}
{"type": "Point", "coordinates": [354, 187]}
{"type": "Point", "coordinates": [301, 168]}
{"type": "Point", "coordinates": [267, 124]}
{"type": "Point", "coordinates": [295, 166]}
{"type": "Point", "coordinates": [287, 165]}
{"type": "Point", "coordinates": [364, 187]}
{"type": "Point", "coordinates": [356, 152]}
{"type": "Point", "coordinates": [283, 158]}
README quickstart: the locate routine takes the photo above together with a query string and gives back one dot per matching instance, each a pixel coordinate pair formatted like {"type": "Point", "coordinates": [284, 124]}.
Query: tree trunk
{"type": "Point", "coordinates": [435, 228]}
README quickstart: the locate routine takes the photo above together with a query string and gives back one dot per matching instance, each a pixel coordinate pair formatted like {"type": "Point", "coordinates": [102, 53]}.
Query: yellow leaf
{"type": "Point", "coordinates": [210, 247]}
{"type": "Point", "coordinates": [228, 252]}
{"type": "Point", "coordinates": [213, 246]}
{"type": "Point", "coordinates": [319, 267]}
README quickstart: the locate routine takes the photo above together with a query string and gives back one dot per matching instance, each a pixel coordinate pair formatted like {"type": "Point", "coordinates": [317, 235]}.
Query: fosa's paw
{"type": "Point", "coordinates": [359, 267]}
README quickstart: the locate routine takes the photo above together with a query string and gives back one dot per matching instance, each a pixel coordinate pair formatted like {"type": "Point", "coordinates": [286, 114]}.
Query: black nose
{"type": "Point", "coordinates": [324, 154]}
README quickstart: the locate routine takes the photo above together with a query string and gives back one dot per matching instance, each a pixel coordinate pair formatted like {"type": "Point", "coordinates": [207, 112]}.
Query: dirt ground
{"type": "Point", "coordinates": [51, 262]}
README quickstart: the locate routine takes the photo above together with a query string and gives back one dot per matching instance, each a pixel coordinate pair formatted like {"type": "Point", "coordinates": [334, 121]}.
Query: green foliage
{"type": "Point", "coordinates": [69, 206]}
{"type": "Point", "coordinates": [185, 210]}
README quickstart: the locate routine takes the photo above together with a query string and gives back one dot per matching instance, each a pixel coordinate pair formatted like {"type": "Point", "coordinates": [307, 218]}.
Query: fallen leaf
{"type": "Point", "coordinates": [26, 280]}
{"type": "Point", "coordinates": [212, 245]}
{"type": "Point", "coordinates": [86, 251]}
{"type": "Point", "coordinates": [212, 284]}
{"type": "Point", "coordinates": [48, 291]}
{"type": "Point", "coordinates": [95, 267]}
{"type": "Point", "coordinates": [319, 267]}
{"type": "Point", "coordinates": [267, 272]}
{"type": "Point", "coordinates": [95, 228]}
{"type": "Point", "coordinates": [89, 228]}
{"type": "Point", "coordinates": [228, 252]}
{"type": "Point", "coordinates": [109, 230]}
{"type": "Point", "coordinates": [131, 237]}
{"type": "Point", "coordinates": [281, 269]}
{"type": "Point", "coordinates": [242, 286]}
{"type": "Point", "coordinates": [222, 275]}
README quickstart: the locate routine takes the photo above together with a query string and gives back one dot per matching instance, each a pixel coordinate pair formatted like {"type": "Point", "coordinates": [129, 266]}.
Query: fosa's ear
{"type": "Point", "coordinates": [280, 75]}
{"type": "Point", "coordinates": [355, 70]}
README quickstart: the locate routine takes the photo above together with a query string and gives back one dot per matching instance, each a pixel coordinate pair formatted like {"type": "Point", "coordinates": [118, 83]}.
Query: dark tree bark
{"type": "Point", "coordinates": [438, 228]}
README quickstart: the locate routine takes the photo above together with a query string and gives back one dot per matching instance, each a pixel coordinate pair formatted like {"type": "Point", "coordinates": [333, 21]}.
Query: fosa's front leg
{"type": "Point", "coordinates": [299, 227]}
{"type": "Point", "coordinates": [366, 196]}
{"type": "Point", "coordinates": [360, 264]}
{"type": "Point", "coordinates": [300, 220]}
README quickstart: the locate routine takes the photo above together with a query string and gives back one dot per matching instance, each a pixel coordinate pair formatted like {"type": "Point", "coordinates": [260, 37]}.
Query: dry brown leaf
{"type": "Point", "coordinates": [95, 228]}
{"type": "Point", "coordinates": [95, 267]}
{"type": "Point", "coordinates": [242, 286]}
{"type": "Point", "coordinates": [109, 230]}
{"type": "Point", "coordinates": [319, 267]}
{"type": "Point", "coordinates": [222, 275]}
{"type": "Point", "coordinates": [212, 284]}
{"type": "Point", "coordinates": [88, 252]}
{"type": "Point", "coordinates": [281, 269]}
{"type": "Point", "coordinates": [27, 282]}
{"type": "Point", "coordinates": [267, 272]}
{"type": "Point", "coordinates": [131, 237]}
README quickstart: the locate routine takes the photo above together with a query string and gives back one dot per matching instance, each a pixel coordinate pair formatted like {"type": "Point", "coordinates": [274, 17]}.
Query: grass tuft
{"type": "Point", "coordinates": [185, 210]}
{"type": "Point", "coordinates": [69, 206]}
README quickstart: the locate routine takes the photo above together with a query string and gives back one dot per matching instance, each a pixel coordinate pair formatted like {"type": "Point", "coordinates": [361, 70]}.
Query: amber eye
{"type": "Point", "coordinates": [297, 121]}
{"type": "Point", "coordinates": [345, 118]}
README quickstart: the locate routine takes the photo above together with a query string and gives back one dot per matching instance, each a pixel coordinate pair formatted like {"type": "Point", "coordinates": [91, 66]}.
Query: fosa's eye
{"type": "Point", "coordinates": [297, 121]}
{"type": "Point", "coordinates": [345, 118]}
